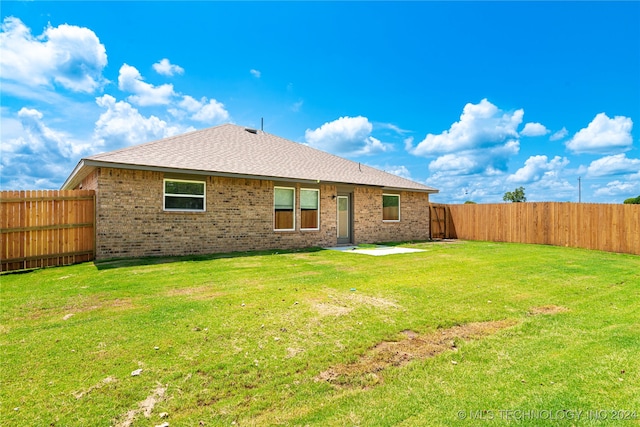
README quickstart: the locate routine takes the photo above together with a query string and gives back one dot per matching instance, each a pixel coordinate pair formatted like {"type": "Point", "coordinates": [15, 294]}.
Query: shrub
{"type": "Point", "coordinates": [632, 201]}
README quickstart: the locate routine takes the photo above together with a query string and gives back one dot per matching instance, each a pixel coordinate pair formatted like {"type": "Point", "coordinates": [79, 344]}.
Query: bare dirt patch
{"type": "Point", "coordinates": [293, 352]}
{"type": "Point", "coordinates": [371, 301]}
{"type": "Point", "coordinates": [410, 334]}
{"type": "Point", "coordinates": [365, 371]}
{"type": "Point", "coordinates": [326, 309]}
{"type": "Point", "coordinates": [81, 394]}
{"type": "Point", "coordinates": [547, 309]}
{"type": "Point", "coordinates": [145, 407]}
{"type": "Point", "coordinates": [341, 305]}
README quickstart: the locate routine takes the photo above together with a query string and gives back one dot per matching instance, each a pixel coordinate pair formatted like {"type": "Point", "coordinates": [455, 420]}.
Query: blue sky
{"type": "Point", "coordinates": [472, 98]}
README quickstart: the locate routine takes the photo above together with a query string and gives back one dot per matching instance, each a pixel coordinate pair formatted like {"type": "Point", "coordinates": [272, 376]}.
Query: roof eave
{"type": "Point", "coordinates": [416, 190]}
{"type": "Point", "coordinates": [79, 173]}
{"type": "Point", "coordinates": [86, 166]}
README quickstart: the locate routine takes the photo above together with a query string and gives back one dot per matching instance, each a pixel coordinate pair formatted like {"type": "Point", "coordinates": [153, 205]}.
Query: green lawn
{"type": "Point", "coordinates": [473, 333]}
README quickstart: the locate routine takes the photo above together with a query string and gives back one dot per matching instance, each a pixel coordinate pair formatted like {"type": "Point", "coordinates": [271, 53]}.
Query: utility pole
{"type": "Point", "coordinates": [579, 189]}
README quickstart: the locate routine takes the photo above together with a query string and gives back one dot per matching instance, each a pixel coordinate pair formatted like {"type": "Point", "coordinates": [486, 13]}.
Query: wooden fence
{"type": "Point", "coordinates": [440, 217]}
{"type": "Point", "coordinates": [612, 228]}
{"type": "Point", "coordinates": [45, 228]}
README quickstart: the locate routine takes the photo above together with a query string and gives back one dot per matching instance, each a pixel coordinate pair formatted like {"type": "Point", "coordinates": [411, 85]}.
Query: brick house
{"type": "Point", "coordinates": [228, 188]}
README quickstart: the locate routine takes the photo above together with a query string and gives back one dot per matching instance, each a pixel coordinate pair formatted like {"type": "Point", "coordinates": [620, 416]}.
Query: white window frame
{"type": "Point", "coordinates": [318, 213]}
{"type": "Point", "coordinates": [399, 206]}
{"type": "Point", "coordinates": [274, 209]}
{"type": "Point", "coordinates": [165, 194]}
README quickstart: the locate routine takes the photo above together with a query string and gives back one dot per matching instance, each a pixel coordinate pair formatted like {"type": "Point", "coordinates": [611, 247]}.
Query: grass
{"type": "Point", "coordinates": [246, 338]}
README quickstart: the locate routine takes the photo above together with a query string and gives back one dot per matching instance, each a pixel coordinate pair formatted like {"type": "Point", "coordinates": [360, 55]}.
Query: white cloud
{"type": "Point", "coordinates": [551, 187]}
{"type": "Point", "coordinates": [67, 55]}
{"type": "Point", "coordinates": [543, 179]}
{"type": "Point", "coordinates": [536, 167]}
{"type": "Point", "coordinates": [190, 104]}
{"type": "Point", "coordinates": [11, 127]}
{"type": "Point", "coordinates": [255, 73]}
{"type": "Point", "coordinates": [481, 125]}
{"type": "Point", "coordinates": [458, 189]}
{"type": "Point", "coordinates": [562, 133]}
{"type": "Point", "coordinates": [122, 125]}
{"type": "Point", "coordinates": [144, 94]}
{"type": "Point", "coordinates": [373, 145]}
{"type": "Point", "coordinates": [166, 68]}
{"type": "Point", "coordinates": [603, 136]}
{"type": "Point", "coordinates": [408, 143]}
{"type": "Point", "coordinates": [534, 129]}
{"type": "Point", "coordinates": [205, 110]}
{"type": "Point", "coordinates": [489, 188]}
{"type": "Point", "coordinates": [41, 137]}
{"type": "Point", "coordinates": [35, 155]}
{"type": "Point", "coordinates": [480, 143]}
{"type": "Point", "coordinates": [40, 155]}
{"type": "Point", "coordinates": [489, 161]}
{"type": "Point", "coordinates": [401, 171]}
{"type": "Point", "coordinates": [346, 135]}
{"type": "Point", "coordinates": [617, 164]}
{"type": "Point", "coordinates": [392, 127]}
{"type": "Point", "coordinates": [455, 164]}
{"type": "Point", "coordinates": [211, 112]}
{"type": "Point", "coordinates": [624, 189]}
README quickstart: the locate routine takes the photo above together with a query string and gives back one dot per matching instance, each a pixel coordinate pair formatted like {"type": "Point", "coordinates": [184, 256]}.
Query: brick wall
{"type": "Point", "coordinates": [89, 183]}
{"type": "Point", "coordinates": [130, 221]}
{"type": "Point", "coordinates": [368, 224]}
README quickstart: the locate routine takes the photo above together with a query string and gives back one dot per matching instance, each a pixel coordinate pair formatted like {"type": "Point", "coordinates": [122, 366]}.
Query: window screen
{"type": "Point", "coordinates": [390, 207]}
{"type": "Point", "coordinates": [309, 209]}
{"type": "Point", "coordinates": [184, 195]}
{"type": "Point", "coordinates": [284, 203]}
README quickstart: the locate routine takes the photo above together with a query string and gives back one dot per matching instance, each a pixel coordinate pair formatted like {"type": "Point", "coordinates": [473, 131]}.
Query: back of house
{"type": "Point", "coordinates": [229, 188]}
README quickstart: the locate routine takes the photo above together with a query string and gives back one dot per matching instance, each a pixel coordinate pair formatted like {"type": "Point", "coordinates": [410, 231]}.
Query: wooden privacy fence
{"type": "Point", "coordinates": [439, 216]}
{"type": "Point", "coordinates": [612, 228]}
{"type": "Point", "coordinates": [44, 228]}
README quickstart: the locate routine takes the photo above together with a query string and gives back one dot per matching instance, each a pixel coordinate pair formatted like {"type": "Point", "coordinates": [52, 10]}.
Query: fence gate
{"type": "Point", "coordinates": [43, 228]}
{"type": "Point", "coordinates": [438, 215]}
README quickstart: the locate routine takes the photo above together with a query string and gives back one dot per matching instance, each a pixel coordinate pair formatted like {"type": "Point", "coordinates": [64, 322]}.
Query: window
{"type": "Point", "coordinates": [182, 195]}
{"type": "Point", "coordinates": [284, 204]}
{"type": "Point", "coordinates": [309, 209]}
{"type": "Point", "coordinates": [391, 207]}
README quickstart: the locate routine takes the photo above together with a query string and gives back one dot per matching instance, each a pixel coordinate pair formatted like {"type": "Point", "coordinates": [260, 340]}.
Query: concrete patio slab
{"type": "Point", "coordinates": [377, 251]}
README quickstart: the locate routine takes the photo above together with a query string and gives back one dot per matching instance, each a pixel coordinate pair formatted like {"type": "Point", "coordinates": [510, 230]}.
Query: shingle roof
{"type": "Point", "coordinates": [233, 150]}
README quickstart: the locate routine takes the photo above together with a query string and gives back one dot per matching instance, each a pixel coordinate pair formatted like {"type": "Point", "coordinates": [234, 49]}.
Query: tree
{"type": "Point", "coordinates": [515, 196]}
{"type": "Point", "coordinates": [469, 202]}
{"type": "Point", "coordinates": [632, 201]}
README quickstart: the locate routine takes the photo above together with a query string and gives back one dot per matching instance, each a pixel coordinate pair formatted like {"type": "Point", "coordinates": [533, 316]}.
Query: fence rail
{"type": "Point", "coordinates": [612, 228]}
{"type": "Point", "coordinates": [43, 228]}
{"type": "Point", "coordinates": [46, 228]}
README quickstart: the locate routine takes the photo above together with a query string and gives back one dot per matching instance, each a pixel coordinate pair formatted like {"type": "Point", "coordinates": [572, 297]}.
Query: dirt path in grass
{"type": "Point", "coordinates": [364, 372]}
